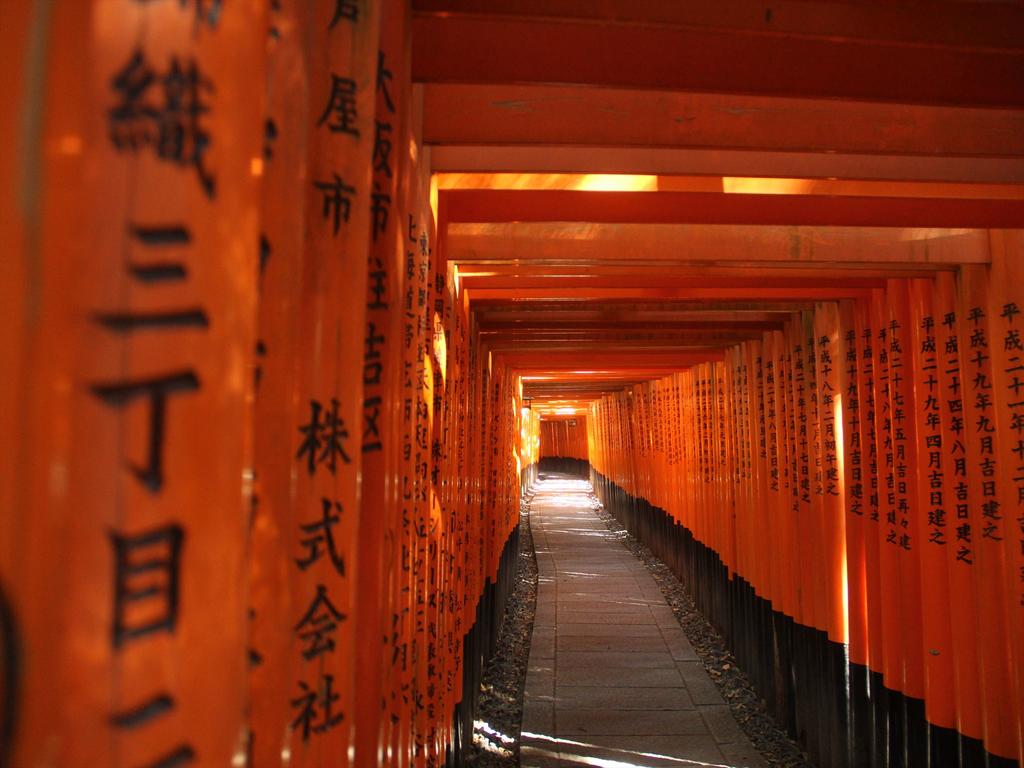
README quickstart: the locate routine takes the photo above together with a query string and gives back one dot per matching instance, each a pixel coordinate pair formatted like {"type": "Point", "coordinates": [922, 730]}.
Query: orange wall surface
{"type": "Point", "coordinates": [258, 471]}
{"type": "Point", "coordinates": [861, 471]}
{"type": "Point", "coordinates": [564, 438]}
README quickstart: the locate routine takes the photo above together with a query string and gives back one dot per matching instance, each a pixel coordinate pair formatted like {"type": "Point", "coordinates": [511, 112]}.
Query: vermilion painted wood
{"type": "Point", "coordinates": [900, 337]}
{"type": "Point", "coordinates": [828, 334]}
{"type": "Point", "coordinates": [550, 117]}
{"type": "Point", "coordinates": [723, 293]}
{"type": "Point", "coordinates": [795, 578]}
{"type": "Point", "coordinates": [897, 628]}
{"type": "Point", "coordinates": [332, 323]}
{"type": "Point", "coordinates": [804, 505]}
{"type": "Point", "coordinates": [274, 602]}
{"type": "Point", "coordinates": [988, 27]}
{"type": "Point", "coordinates": [79, 202]}
{"type": "Point", "coordinates": [866, 389]}
{"type": "Point", "coordinates": [932, 486]}
{"type": "Point", "coordinates": [760, 576]}
{"type": "Point", "coordinates": [488, 247]}
{"type": "Point", "coordinates": [855, 485]}
{"type": "Point", "coordinates": [564, 437]}
{"type": "Point", "coordinates": [479, 49]}
{"type": "Point", "coordinates": [746, 184]}
{"type": "Point", "coordinates": [651, 313]}
{"type": "Point", "coordinates": [14, 340]}
{"type": "Point", "coordinates": [495, 206]}
{"type": "Point", "coordinates": [474, 274]}
{"type": "Point", "coordinates": [999, 705]}
{"type": "Point", "coordinates": [1006, 277]}
{"type": "Point", "coordinates": [28, 550]}
{"type": "Point", "coordinates": [527, 327]}
{"type": "Point", "coordinates": [778, 280]}
{"type": "Point", "coordinates": [963, 609]}
{"type": "Point", "coordinates": [380, 513]}
{"type": "Point", "coordinates": [584, 158]}
{"type": "Point", "coordinates": [675, 324]}
{"type": "Point", "coordinates": [890, 628]}
{"type": "Point", "coordinates": [417, 498]}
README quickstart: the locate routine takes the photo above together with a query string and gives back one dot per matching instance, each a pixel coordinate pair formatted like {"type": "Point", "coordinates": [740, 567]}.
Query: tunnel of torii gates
{"type": "Point", "coordinates": [297, 294]}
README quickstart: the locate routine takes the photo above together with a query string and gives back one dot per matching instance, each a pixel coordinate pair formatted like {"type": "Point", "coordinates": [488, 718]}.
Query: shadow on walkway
{"type": "Point", "coordinates": [612, 680]}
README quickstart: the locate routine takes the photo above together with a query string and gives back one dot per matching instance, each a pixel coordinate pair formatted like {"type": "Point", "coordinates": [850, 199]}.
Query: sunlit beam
{"type": "Point", "coordinates": [603, 182]}
{"type": "Point", "coordinates": [492, 740]}
{"type": "Point", "coordinates": [587, 182]}
{"type": "Point", "coordinates": [607, 763]}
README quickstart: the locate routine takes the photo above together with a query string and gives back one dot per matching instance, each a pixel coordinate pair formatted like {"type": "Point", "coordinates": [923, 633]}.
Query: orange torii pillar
{"type": "Point", "coordinates": [881, 428]}
{"type": "Point", "coordinates": [126, 409]}
{"type": "Point", "coordinates": [320, 126]}
{"type": "Point", "coordinates": [233, 477]}
{"type": "Point", "coordinates": [563, 443]}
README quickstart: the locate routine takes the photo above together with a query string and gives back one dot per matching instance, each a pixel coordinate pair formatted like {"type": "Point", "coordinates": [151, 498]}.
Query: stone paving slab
{"type": "Point", "coordinates": [644, 750]}
{"type": "Point", "coordinates": [612, 676]}
{"type": "Point", "coordinates": [621, 618]}
{"type": "Point", "coordinates": [652, 642]}
{"type": "Point", "coordinates": [606, 658]}
{"type": "Point", "coordinates": [623, 677]}
{"type": "Point", "coordinates": [593, 598]}
{"type": "Point", "coordinates": [604, 607]}
{"type": "Point", "coordinates": [601, 629]}
{"type": "Point", "coordinates": [615, 722]}
{"type": "Point", "coordinates": [625, 698]}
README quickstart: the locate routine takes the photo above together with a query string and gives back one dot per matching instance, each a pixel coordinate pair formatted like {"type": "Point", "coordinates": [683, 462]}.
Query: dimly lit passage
{"type": "Point", "coordinates": [612, 676]}
{"type": "Point", "coordinates": [298, 293]}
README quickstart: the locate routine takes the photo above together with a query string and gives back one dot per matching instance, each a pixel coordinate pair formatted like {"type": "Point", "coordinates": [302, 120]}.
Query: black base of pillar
{"type": "Point", "coordinates": [840, 713]}
{"type": "Point", "coordinates": [478, 647]}
{"type": "Point", "coordinates": [565, 466]}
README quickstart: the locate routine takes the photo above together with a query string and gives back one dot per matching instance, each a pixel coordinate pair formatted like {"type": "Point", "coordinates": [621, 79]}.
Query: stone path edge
{"type": "Point", "coordinates": [503, 685]}
{"type": "Point", "coordinates": [774, 744]}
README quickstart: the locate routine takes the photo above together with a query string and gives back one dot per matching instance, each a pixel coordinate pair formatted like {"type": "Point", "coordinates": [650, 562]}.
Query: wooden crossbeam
{"type": "Point", "coordinates": [485, 49]}
{"type": "Point", "coordinates": [489, 205]}
{"type": "Point", "coordinates": [561, 116]}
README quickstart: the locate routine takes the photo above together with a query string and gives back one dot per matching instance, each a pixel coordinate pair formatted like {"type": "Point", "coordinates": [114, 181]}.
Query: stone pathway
{"type": "Point", "coordinates": [612, 679]}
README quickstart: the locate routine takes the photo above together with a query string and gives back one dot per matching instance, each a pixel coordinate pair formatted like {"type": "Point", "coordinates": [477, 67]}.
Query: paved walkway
{"type": "Point", "coordinates": [612, 680]}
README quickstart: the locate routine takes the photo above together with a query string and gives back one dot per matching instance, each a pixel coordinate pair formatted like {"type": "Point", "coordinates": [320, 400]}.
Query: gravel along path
{"type": "Point", "coordinates": [496, 735]}
{"type": "Point", "coordinates": [770, 740]}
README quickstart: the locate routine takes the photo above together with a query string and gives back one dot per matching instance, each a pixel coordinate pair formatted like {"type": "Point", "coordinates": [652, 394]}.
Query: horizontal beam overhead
{"type": "Point", "coordinates": [556, 399]}
{"type": "Point", "coordinates": [623, 309]}
{"type": "Point", "coordinates": [780, 142]}
{"type": "Point", "coordinates": [959, 25]}
{"type": "Point", "coordinates": [723, 162]}
{"type": "Point", "coordinates": [636, 339]}
{"type": "Point", "coordinates": [623, 349]}
{"type": "Point", "coordinates": [492, 247]}
{"type": "Point", "coordinates": [600, 274]}
{"type": "Point", "coordinates": [549, 361]}
{"type": "Point", "coordinates": [578, 389]}
{"type": "Point", "coordinates": [504, 295]}
{"type": "Point", "coordinates": [678, 326]}
{"type": "Point", "coordinates": [492, 205]}
{"type": "Point", "coordinates": [532, 374]}
{"type": "Point", "coordinates": [524, 282]}
{"type": "Point", "coordinates": [561, 116]}
{"type": "Point", "coordinates": [597, 272]}
{"type": "Point", "coordinates": [482, 49]}
{"type": "Point", "coordinates": [741, 185]}
{"type": "Point", "coordinates": [494, 317]}
{"type": "Point", "coordinates": [583, 382]}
